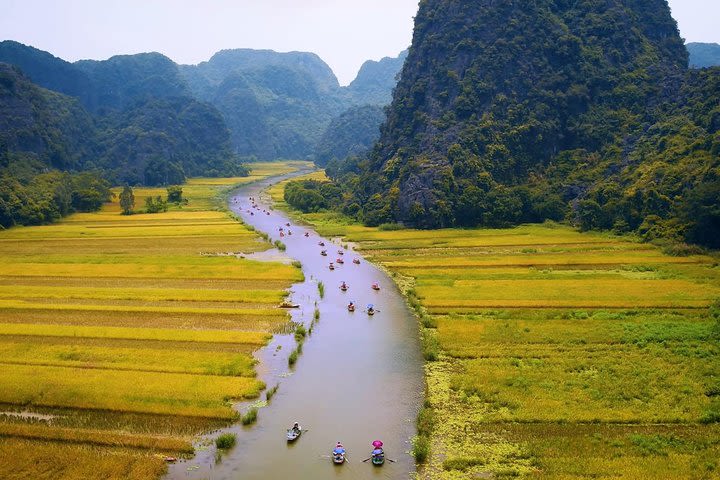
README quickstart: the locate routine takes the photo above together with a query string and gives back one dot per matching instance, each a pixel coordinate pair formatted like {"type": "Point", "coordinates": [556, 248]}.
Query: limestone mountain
{"type": "Point", "coordinates": [276, 104]}
{"type": "Point", "coordinates": [523, 111]}
{"type": "Point", "coordinates": [46, 70]}
{"type": "Point", "coordinates": [376, 80]}
{"type": "Point", "coordinates": [353, 132]}
{"type": "Point", "coordinates": [112, 84]}
{"type": "Point", "coordinates": [123, 80]}
{"type": "Point", "coordinates": [704, 54]}
{"type": "Point", "coordinates": [279, 105]}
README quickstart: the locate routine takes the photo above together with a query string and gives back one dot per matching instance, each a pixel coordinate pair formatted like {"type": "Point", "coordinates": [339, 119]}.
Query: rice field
{"type": "Point", "coordinates": [557, 354]}
{"type": "Point", "coordinates": [122, 337]}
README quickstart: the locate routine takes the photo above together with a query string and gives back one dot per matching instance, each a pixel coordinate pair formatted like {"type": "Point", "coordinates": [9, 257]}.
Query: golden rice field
{"type": "Point", "coordinates": [557, 354]}
{"type": "Point", "coordinates": [122, 337]}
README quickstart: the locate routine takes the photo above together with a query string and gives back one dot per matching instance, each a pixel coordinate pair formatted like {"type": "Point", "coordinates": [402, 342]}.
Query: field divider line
{"type": "Point", "coordinates": [128, 333]}
{"type": "Point", "coordinates": [118, 369]}
{"type": "Point", "coordinates": [541, 265]}
{"type": "Point", "coordinates": [95, 437]}
{"type": "Point", "coordinates": [5, 305]}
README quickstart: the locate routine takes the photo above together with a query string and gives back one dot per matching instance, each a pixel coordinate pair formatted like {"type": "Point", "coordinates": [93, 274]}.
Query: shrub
{"type": "Point", "coordinates": [225, 441]}
{"type": "Point", "coordinates": [321, 289]}
{"type": "Point", "coordinates": [250, 417]}
{"type": "Point", "coordinates": [271, 392]}
{"type": "Point", "coordinates": [420, 448]}
{"type": "Point", "coordinates": [300, 333]}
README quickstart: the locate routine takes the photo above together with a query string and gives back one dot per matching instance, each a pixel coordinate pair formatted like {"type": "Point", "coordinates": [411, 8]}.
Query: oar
{"type": "Point", "coordinates": [367, 459]}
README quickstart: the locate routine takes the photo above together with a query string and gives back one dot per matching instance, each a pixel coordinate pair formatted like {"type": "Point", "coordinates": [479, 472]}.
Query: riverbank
{"type": "Point", "coordinates": [555, 353]}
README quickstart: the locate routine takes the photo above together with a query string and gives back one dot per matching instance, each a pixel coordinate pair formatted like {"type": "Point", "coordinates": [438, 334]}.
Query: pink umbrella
{"type": "Point", "coordinates": [377, 444]}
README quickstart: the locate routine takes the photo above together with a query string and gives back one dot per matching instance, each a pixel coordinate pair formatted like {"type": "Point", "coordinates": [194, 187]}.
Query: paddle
{"type": "Point", "coordinates": [367, 459]}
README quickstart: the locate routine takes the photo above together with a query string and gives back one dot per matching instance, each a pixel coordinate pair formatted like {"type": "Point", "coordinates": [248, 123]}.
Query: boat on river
{"type": "Point", "coordinates": [377, 457]}
{"type": "Point", "coordinates": [294, 433]}
{"type": "Point", "coordinates": [338, 454]}
{"type": "Point", "coordinates": [289, 305]}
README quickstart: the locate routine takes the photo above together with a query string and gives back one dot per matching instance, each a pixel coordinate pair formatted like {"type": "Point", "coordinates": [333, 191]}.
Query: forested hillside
{"type": "Point", "coordinates": [41, 133]}
{"type": "Point", "coordinates": [47, 139]}
{"type": "Point", "coordinates": [510, 112]}
{"type": "Point", "coordinates": [354, 132]}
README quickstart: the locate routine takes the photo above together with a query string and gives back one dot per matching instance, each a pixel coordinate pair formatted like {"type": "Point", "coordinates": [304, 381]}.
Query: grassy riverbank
{"type": "Point", "coordinates": [122, 337]}
{"type": "Point", "coordinates": [557, 354]}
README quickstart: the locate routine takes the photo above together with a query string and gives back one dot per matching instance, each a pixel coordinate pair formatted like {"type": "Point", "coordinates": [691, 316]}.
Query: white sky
{"type": "Point", "coordinates": [344, 33]}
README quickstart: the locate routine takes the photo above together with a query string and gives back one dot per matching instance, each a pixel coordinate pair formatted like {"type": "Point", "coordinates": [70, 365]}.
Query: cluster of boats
{"type": "Point", "coordinates": [339, 454]}
{"type": "Point", "coordinates": [255, 206]}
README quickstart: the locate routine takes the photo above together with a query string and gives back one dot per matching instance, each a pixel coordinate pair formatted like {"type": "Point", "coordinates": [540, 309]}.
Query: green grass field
{"type": "Point", "coordinates": [557, 354]}
{"type": "Point", "coordinates": [132, 333]}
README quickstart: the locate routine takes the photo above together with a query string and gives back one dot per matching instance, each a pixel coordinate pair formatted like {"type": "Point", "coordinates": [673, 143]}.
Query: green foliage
{"type": "Point", "coordinates": [300, 333]}
{"type": "Point", "coordinates": [280, 245]}
{"type": "Point", "coordinates": [250, 416]}
{"type": "Point", "coordinates": [271, 392]}
{"type": "Point", "coordinates": [321, 289]}
{"type": "Point", "coordinates": [46, 197]}
{"type": "Point", "coordinates": [155, 204]}
{"type": "Point", "coordinates": [420, 448]}
{"type": "Point", "coordinates": [225, 441]}
{"type": "Point", "coordinates": [174, 194]}
{"type": "Point", "coordinates": [312, 195]}
{"type": "Point", "coordinates": [127, 200]}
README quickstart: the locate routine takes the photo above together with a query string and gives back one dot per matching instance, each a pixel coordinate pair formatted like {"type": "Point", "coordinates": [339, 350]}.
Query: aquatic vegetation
{"type": "Point", "coordinates": [226, 440]}
{"type": "Point", "coordinates": [249, 417]}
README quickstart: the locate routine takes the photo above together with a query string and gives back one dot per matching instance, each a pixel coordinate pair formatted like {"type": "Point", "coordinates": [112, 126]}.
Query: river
{"type": "Point", "coordinates": [359, 377]}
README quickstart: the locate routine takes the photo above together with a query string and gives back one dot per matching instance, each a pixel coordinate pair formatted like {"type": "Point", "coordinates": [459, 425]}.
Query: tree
{"type": "Point", "coordinates": [174, 194]}
{"type": "Point", "coordinates": [127, 200]}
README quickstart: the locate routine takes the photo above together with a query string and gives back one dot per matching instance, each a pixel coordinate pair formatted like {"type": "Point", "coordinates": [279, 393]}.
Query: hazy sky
{"type": "Point", "coordinates": [344, 33]}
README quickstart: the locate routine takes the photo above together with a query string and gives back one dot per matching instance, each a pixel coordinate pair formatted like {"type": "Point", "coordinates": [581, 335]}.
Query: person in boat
{"type": "Point", "coordinates": [377, 453]}
{"type": "Point", "coordinates": [343, 285]}
{"type": "Point", "coordinates": [351, 306]}
{"type": "Point", "coordinates": [339, 449]}
{"type": "Point", "coordinates": [296, 428]}
{"type": "Point", "coordinates": [371, 309]}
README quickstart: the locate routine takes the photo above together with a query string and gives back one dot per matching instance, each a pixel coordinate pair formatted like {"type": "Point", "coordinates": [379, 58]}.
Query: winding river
{"type": "Point", "coordinates": [359, 377]}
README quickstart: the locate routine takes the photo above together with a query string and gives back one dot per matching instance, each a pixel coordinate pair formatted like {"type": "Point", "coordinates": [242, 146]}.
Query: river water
{"type": "Point", "coordinates": [359, 377]}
